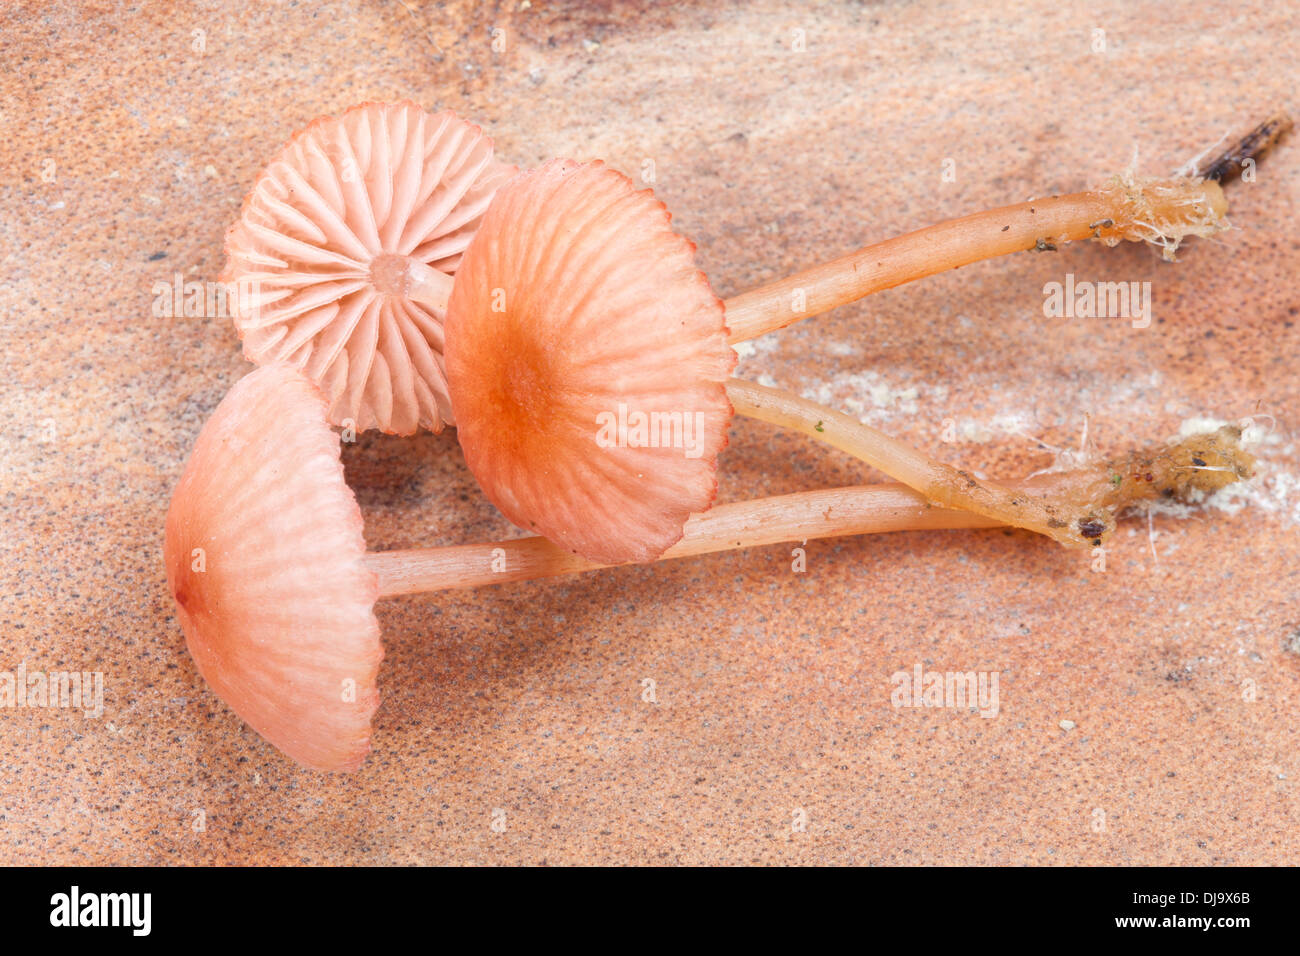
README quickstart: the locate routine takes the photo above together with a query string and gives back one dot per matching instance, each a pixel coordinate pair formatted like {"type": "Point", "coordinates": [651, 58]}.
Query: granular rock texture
{"type": "Point", "coordinates": [726, 708]}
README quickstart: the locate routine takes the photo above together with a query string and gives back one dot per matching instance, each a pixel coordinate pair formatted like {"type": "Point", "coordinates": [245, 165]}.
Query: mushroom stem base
{"type": "Point", "coordinates": [1076, 508]}
{"type": "Point", "coordinates": [409, 278]}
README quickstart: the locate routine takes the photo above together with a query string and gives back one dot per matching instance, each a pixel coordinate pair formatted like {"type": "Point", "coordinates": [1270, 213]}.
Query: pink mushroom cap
{"type": "Point", "coordinates": [317, 259]}
{"type": "Point", "coordinates": [588, 360]}
{"type": "Point", "coordinates": [265, 558]}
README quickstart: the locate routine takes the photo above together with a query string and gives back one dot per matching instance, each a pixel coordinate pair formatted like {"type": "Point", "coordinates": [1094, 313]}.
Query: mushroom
{"type": "Point", "coordinates": [341, 260]}
{"type": "Point", "coordinates": [274, 588]}
{"type": "Point", "coordinates": [577, 321]}
{"type": "Point", "coordinates": [264, 554]}
{"type": "Point", "coordinates": [588, 366]}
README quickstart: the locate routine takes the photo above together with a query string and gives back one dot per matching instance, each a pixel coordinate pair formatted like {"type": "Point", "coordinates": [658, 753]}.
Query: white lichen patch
{"type": "Point", "coordinates": [752, 348]}
{"type": "Point", "coordinates": [870, 397]}
{"type": "Point", "coordinates": [1272, 491]}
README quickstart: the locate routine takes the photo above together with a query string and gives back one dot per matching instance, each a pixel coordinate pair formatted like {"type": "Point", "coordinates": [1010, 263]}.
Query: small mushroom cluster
{"type": "Point", "coordinates": [391, 273]}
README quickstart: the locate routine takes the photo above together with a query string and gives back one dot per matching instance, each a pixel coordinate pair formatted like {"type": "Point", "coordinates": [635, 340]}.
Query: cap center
{"type": "Point", "coordinates": [389, 273]}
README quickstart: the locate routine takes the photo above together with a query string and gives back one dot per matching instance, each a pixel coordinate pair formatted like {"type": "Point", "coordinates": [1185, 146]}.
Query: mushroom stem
{"type": "Point", "coordinates": [866, 509]}
{"type": "Point", "coordinates": [1159, 211]}
{"type": "Point", "coordinates": [1185, 471]}
{"type": "Point", "coordinates": [428, 286]}
{"type": "Point", "coordinates": [1077, 508]}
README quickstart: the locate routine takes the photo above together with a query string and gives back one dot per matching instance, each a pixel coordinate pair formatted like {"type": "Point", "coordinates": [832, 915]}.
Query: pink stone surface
{"type": "Point", "coordinates": [131, 134]}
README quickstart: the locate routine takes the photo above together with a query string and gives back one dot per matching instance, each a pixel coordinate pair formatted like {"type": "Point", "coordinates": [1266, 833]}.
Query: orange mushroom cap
{"type": "Point", "coordinates": [325, 232]}
{"type": "Point", "coordinates": [587, 356]}
{"type": "Point", "coordinates": [264, 556]}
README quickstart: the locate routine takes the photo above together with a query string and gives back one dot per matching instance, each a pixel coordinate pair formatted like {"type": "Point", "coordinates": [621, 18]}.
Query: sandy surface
{"type": "Point", "coordinates": [129, 140]}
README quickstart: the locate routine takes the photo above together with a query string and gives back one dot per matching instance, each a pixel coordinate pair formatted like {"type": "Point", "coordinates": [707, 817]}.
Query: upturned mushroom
{"type": "Point", "coordinates": [341, 260]}
{"type": "Point", "coordinates": [588, 366]}
{"type": "Point", "coordinates": [274, 588]}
